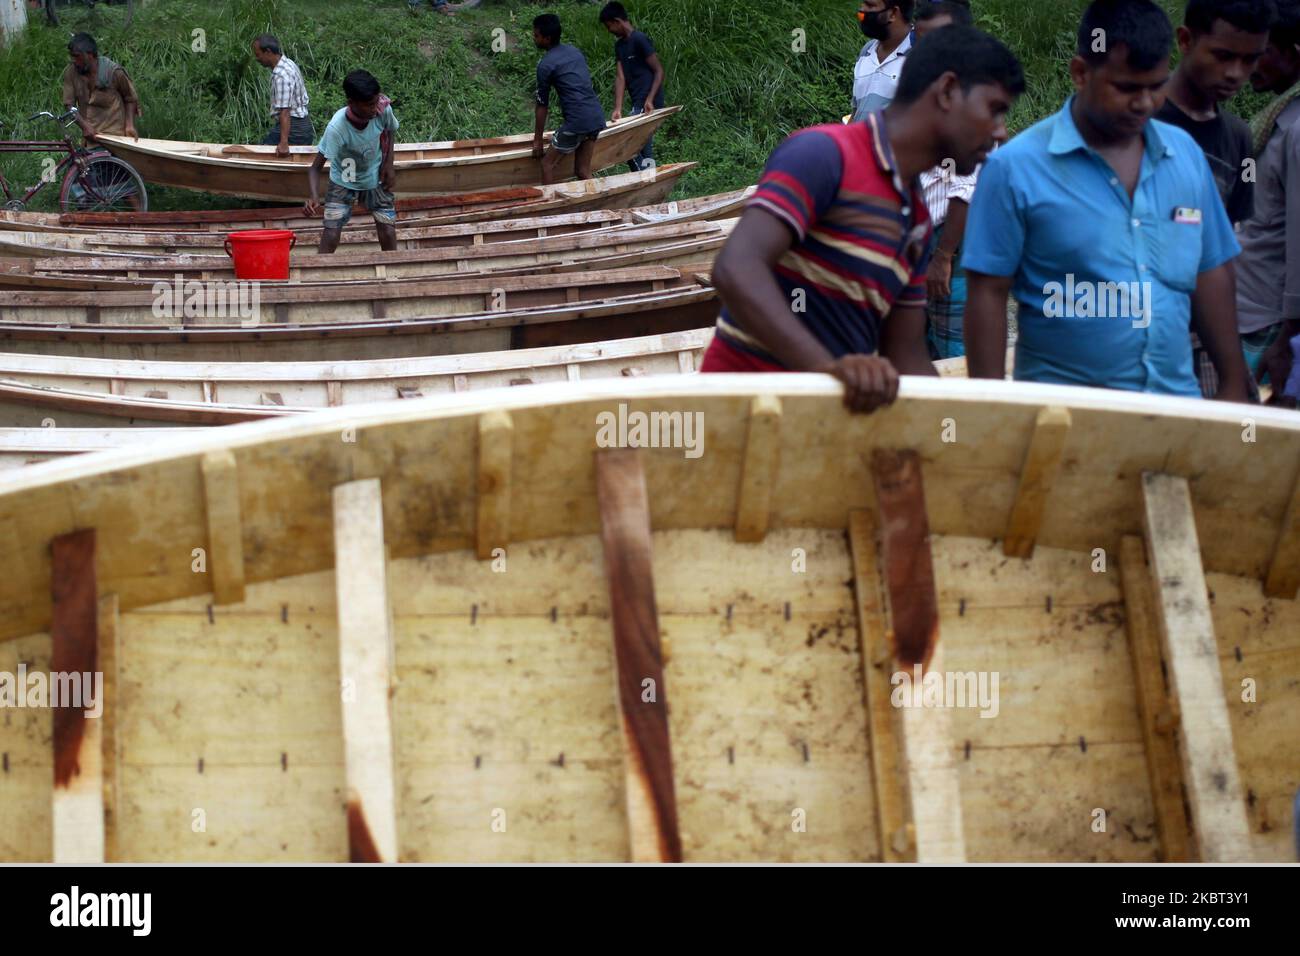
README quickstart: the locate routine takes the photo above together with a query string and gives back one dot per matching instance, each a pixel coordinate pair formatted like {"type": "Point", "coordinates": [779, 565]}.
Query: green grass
{"type": "Point", "coordinates": [733, 65]}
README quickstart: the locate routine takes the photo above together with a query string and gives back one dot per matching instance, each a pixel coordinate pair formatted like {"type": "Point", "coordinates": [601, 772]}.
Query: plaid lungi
{"type": "Point", "coordinates": [1253, 347]}
{"type": "Point", "coordinates": [944, 314]}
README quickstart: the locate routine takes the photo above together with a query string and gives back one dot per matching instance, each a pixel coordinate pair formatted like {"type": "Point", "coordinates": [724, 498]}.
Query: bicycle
{"type": "Point", "coordinates": [93, 180]}
{"type": "Point", "coordinates": [52, 15]}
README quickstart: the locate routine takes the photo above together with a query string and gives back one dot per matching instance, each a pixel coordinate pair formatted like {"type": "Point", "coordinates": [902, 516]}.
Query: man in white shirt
{"type": "Point", "coordinates": [947, 197]}
{"type": "Point", "coordinates": [888, 26]}
{"type": "Point", "coordinates": [288, 98]}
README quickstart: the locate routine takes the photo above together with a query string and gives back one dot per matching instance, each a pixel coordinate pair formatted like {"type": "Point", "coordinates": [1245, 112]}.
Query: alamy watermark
{"type": "Point", "coordinates": [208, 299]}
{"type": "Point", "coordinates": [83, 690]}
{"type": "Point", "coordinates": [1098, 300]}
{"type": "Point", "coordinates": [626, 429]}
{"type": "Point", "coordinates": [946, 689]}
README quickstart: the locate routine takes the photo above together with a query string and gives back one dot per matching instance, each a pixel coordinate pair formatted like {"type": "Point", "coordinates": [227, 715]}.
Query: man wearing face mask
{"type": "Point", "coordinates": [888, 27]}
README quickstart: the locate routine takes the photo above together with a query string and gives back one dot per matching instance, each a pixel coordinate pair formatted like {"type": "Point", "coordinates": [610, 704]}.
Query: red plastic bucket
{"type": "Point", "coordinates": [261, 253]}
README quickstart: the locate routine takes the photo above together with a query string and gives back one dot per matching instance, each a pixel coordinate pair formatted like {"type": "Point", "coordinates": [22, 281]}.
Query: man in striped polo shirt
{"type": "Point", "coordinates": [288, 98]}
{"type": "Point", "coordinates": [826, 271]}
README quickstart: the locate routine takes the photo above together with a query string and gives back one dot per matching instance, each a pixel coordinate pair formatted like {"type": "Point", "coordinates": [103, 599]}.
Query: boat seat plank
{"type": "Point", "coordinates": [78, 811]}
{"type": "Point", "coordinates": [1042, 462]}
{"type": "Point", "coordinates": [758, 470]}
{"type": "Point", "coordinates": [225, 556]}
{"type": "Point", "coordinates": [1159, 714]}
{"type": "Point", "coordinates": [1215, 796]}
{"type": "Point", "coordinates": [366, 669]}
{"type": "Point", "coordinates": [642, 695]}
{"type": "Point", "coordinates": [495, 451]}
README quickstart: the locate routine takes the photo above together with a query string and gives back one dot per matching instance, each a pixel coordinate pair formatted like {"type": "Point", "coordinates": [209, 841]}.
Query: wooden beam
{"type": "Point", "coordinates": [1042, 464]}
{"type": "Point", "coordinates": [78, 807]}
{"type": "Point", "coordinates": [495, 451]}
{"type": "Point", "coordinates": [909, 571]}
{"type": "Point", "coordinates": [929, 767]}
{"type": "Point", "coordinates": [642, 696]}
{"type": "Point", "coordinates": [225, 526]}
{"type": "Point", "coordinates": [933, 781]}
{"type": "Point", "coordinates": [1156, 704]}
{"type": "Point", "coordinates": [366, 670]}
{"type": "Point", "coordinates": [1182, 606]}
{"type": "Point", "coordinates": [1283, 579]}
{"type": "Point", "coordinates": [759, 468]}
{"type": "Point", "coordinates": [892, 808]}
{"type": "Point", "coordinates": [109, 665]}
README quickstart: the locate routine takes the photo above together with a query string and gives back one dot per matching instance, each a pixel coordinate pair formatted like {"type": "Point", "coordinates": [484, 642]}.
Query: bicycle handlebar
{"type": "Point", "coordinates": [71, 117]}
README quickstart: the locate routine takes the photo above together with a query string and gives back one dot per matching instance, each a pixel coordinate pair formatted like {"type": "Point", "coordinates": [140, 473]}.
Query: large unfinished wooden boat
{"type": "Point", "coordinates": [255, 172]}
{"type": "Point", "coordinates": [329, 632]}
{"type": "Point", "coordinates": [73, 394]}
{"type": "Point", "coordinates": [643, 191]}
{"type": "Point", "coordinates": [683, 246]}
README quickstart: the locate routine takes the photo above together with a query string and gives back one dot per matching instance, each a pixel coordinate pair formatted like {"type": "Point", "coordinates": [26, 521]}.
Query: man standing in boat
{"type": "Point", "coordinates": [358, 144]}
{"type": "Point", "coordinates": [1107, 227]}
{"type": "Point", "coordinates": [638, 71]}
{"type": "Point", "coordinates": [565, 69]}
{"type": "Point", "coordinates": [288, 98]}
{"type": "Point", "coordinates": [826, 270]}
{"type": "Point", "coordinates": [102, 92]}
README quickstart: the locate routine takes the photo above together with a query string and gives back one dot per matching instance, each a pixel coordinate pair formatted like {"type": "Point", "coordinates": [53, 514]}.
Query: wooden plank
{"type": "Point", "coordinates": [1042, 463]}
{"type": "Point", "coordinates": [933, 786]}
{"type": "Point", "coordinates": [892, 811]}
{"type": "Point", "coordinates": [225, 526]}
{"type": "Point", "coordinates": [905, 537]}
{"type": "Point", "coordinates": [933, 782]}
{"type": "Point", "coordinates": [625, 537]}
{"type": "Point", "coordinates": [365, 669]}
{"type": "Point", "coordinates": [759, 468]}
{"type": "Point", "coordinates": [1158, 709]}
{"type": "Point", "coordinates": [78, 801]}
{"type": "Point", "coordinates": [1283, 578]}
{"type": "Point", "coordinates": [495, 451]}
{"type": "Point", "coordinates": [1182, 606]}
{"type": "Point", "coordinates": [110, 749]}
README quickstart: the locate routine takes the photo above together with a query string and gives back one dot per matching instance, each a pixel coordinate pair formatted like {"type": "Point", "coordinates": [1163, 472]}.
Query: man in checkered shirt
{"type": "Point", "coordinates": [288, 98]}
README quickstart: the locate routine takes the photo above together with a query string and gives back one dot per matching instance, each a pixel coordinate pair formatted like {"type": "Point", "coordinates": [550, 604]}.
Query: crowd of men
{"type": "Point", "coordinates": [1150, 239]}
{"type": "Point", "coordinates": [358, 139]}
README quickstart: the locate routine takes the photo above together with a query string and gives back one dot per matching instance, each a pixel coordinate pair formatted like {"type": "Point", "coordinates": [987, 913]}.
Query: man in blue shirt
{"type": "Point", "coordinates": [565, 68]}
{"type": "Point", "coordinates": [638, 71]}
{"type": "Point", "coordinates": [1107, 228]}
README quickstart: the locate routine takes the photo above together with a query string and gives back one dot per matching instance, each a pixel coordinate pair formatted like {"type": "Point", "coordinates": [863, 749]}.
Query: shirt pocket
{"type": "Point", "coordinates": [1177, 251]}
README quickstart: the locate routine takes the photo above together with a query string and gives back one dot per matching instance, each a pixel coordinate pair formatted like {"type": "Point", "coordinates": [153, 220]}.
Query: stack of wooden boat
{"type": "Point", "coordinates": [514, 285]}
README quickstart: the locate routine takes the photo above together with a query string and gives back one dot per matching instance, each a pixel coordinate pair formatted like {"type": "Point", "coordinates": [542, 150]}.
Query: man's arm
{"type": "Point", "coordinates": [388, 170]}
{"type": "Point", "coordinates": [538, 129]}
{"type": "Point", "coordinates": [745, 281]}
{"type": "Point", "coordinates": [620, 89]}
{"type": "Point", "coordinates": [939, 279]}
{"type": "Point", "coordinates": [312, 206]}
{"type": "Point", "coordinates": [285, 120]}
{"type": "Point", "coordinates": [652, 61]}
{"type": "Point", "coordinates": [1214, 319]}
{"type": "Point", "coordinates": [130, 101]}
{"type": "Point", "coordinates": [902, 341]}
{"type": "Point", "coordinates": [984, 326]}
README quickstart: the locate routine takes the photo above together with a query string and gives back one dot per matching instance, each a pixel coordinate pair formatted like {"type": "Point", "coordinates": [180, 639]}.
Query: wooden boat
{"type": "Point", "coordinates": [255, 172]}
{"type": "Point", "coordinates": [194, 304]}
{"type": "Point", "coordinates": [690, 245]}
{"type": "Point", "coordinates": [759, 608]}
{"type": "Point", "coordinates": [644, 191]}
{"type": "Point", "coordinates": [677, 309]}
{"type": "Point", "coordinates": [409, 235]}
{"type": "Point", "coordinates": [79, 393]}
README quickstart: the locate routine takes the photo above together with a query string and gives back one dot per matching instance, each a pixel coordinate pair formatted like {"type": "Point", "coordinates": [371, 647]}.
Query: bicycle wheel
{"type": "Point", "coordinates": [107, 184]}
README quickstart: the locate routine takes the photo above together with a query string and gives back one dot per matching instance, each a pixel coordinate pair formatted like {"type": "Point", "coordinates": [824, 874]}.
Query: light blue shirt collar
{"type": "Point", "coordinates": [1066, 137]}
